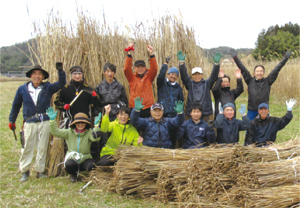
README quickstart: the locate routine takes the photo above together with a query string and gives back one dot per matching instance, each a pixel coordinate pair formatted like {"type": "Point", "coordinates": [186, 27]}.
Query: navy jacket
{"type": "Point", "coordinates": [156, 134]}
{"type": "Point", "coordinates": [263, 131]}
{"type": "Point", "coordinates": [43, 103]}
{"type": "Point", "coordinates": [228, 131]}
{"type": "Point", "coordinates": [199, 92]}
{"type": "Point", "coordinates": [195, 134]}
{"type": "Point", "coordinates": [259, 90]}
{"type": "Point", "coordinates": [168, 94]}
{"type": "Point", "coordinates": [226, 95]}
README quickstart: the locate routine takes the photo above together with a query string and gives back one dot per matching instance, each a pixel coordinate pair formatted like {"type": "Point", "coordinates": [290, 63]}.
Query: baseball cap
{"type": "Point", "coordinates": [197, 69]}
{"type": "Point", "coordinates": [263, 105]}
{"type": "Point", "coordinates": [157, 105]}
{"type": "Point", "coordinates": [140, 63]}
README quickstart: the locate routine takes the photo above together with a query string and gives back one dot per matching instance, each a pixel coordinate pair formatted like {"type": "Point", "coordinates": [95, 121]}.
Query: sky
{"type": "Point", "coordinates": [232, 23]}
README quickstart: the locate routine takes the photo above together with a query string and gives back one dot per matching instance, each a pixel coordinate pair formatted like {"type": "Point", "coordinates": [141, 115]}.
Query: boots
{"type": "Point", "coordinates": [73, 178]}
{"type": "Point", "coordinates": [25, 176]}
{"type": "Point", "coordinates": [41, 175]}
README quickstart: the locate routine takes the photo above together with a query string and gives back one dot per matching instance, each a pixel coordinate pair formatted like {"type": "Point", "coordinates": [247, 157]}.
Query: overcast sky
{"type": "Point", "coordinates": [233, 23]}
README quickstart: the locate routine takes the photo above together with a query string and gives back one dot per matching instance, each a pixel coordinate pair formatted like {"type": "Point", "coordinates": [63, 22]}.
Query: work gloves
{"type": "Point", "coordinates": [179, 106]}
{"type": "Point", "coordinates": [290, 104]}
{"type": "Point", "coordinates": [242, 110]}
{"type": "Point", "coordinates": [51, 113]}
{"type": "Point", "coordinates": [12, 126]}
{"type": "Point", "coordinates": [180, 56]}
{"type": "Point", "coordinates": [138, 104]}
{"type": "Point", "coordinates": [217, 57]}
{"type": "Point", "coordinates": [288, 54]}
{"type": "Point", "coordinates": [220, 108]}
{"type": "Point", "coordinates": [168, 59]}
{"type": "Point", "coordinates": [67, 106]}
{"type": "Point", "coordinates": [233, 53]}
{"type": "Point", "coordinates": [59, 66]}
{"type": "Point", "coordinates": [97, 119]}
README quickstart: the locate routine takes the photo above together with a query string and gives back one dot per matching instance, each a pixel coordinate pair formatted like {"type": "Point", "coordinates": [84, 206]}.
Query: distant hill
{"type": "Point", "coordinates": [225, 51]}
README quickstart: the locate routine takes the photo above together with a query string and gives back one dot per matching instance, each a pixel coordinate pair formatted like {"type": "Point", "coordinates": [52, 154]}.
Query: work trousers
{"type": "Point", "coordinates": [35, 135]}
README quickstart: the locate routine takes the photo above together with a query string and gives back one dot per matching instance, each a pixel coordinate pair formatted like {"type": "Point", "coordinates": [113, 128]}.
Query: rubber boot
{"type": "Point", "coordinates": [73, 178]}
{"type": "Point", "coordinates": [25, 176]}
{"type": "Point", "coordinates": [41, 175]}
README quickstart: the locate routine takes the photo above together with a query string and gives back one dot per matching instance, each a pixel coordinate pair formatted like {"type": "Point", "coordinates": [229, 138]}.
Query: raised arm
{"type": "Point", "coordinates": [61, 133]}
{"type": "Point", "coordinates": [128, 63]}
{"type": "Point", "coordinates": [239, 86]}
{"type": "Point", "coordinates": [136, 121]}
{"type": "Point", "coordinates": [246, 74]}
{"type": "Point", "coordinates": [161, 76]}
{"type": "Point", "coordinates": [274, 73]}
{"type": "Point", "coordinates": [153, 64]}
{"type": "Point", "coordinates": [61, 79]}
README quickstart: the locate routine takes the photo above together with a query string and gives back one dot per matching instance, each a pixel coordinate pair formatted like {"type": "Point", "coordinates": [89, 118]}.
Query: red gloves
{"type": "Point", "coordinates": [67, 106]}
{"type": "Point", "coordinates": [94, 94]}
{"type": "Point", "coordinates": [12, 126]}
{"type": "Point", "coordinates": [129, 48]}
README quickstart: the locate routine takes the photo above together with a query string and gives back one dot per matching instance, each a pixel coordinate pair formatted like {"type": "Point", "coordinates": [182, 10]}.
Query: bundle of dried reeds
{"type": "Point", "coordinates": [56, 158]}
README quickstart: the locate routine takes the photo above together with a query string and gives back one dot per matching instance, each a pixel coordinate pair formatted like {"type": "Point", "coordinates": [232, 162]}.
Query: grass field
{"type": "Point", "coordinates": [59, 192]}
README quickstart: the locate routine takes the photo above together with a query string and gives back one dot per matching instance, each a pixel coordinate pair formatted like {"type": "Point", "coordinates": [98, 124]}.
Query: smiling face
{"type": "Point", "coordinates": [123, 117]}
{"type": "Point", "coordinates": [225, 82]}
{"type": "Point", "coordinates": [157, 114]}
{"type": "Point", "coordinates": [197, 77]}
{"type": "Point", "coordinates": [196, 115]}
{"type": "Point", "coordinates": [140, 70]}
{"type": "Point", "coordinates": [259, 73]}
{"type": "Point", "coordinates": [37, 77]}
{"type": "Point", "coordinates": [229, 113]}
{"type": "Point", "coordinates": [77, 76]}
{"type": "Point", "coordinates": [80, 126]}
{"type": "Point", "coordinates": [263, 112]}
{"type": "Point", "coordinates": [172, 77]}
{"type": "Point", "coordinates": [109, 75]}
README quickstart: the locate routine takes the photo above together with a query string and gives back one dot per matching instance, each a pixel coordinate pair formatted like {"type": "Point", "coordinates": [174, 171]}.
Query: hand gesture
{"type": "Point", "coordinates": [97, 119]}
{"type": "Point", "coordinates": [238, 73]}
{"type": "Point", "coordinates": [51, 113]}
{"type": "Point", "coordinates": [179, 106]}
{"type": "Point", "coordinates": [138, 103]}
{"type": "Point", "coordinates": [221, 73]}
{"type": "Point", "coordinates": [288, 54]}
{"type": "Point", "coordinates": [140, 140]}
{"type": "Point", "coordinates": [220, 108]}
{"type": "Point", "coordinates": [150, 49]}
{"type": "Point", "coordinates": [217, 57]}
{"type": "Point", "coordinates": [233, 53]}
{"type": "Point", "coordinates": [107, 109]}
{"type": "Point", "coordinates": [180, 56]}
{"type": "Point", "coordinates": [290, 104]}
{"type": "Point", "coordinates": [130, 48]}
{"type": "Point", "coordinates": [243, 110]}
{"type": "Point", "coordinates": [59, 66]}
{"type": "Point", "coordinates": [168, 59]}
{"type": "Point", "coordinates": [12, 126]}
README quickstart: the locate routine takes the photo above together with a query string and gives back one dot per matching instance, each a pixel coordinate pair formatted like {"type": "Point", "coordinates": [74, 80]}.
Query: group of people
{"type": "Point", "coordinates": [139, 120]}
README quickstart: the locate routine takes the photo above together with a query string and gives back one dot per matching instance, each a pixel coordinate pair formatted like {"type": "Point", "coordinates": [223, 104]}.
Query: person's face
{"type": "Point", "coordinates": [196, 115]}
{"type": "Point", "coordinates": [172, 77]}
{"type": "Point", "coordinates": [263, 112]}
{"type": "Point", "coordinates": [225, 82]}
{"type": "Point", "coordinates": [229, 113]}
{"type": "Point", "coordinates": [123, 118]}
{"type": "Point", "coordinates": [259, 73]}
{"type": "Point", "coordinates": [77, 76]}
{"type": "Point", "coordinates": [109, 75]}
{"type": "Point", "coordinates": [37, 77]}
{"type": "Point", "coordinates": [140, 69]}
{"type": "Point", "coordinates": [80, 126]}
{"type": "Point", "coordinates": [197, 77]}
{"type": "Point", "coordinates": [157, 114]}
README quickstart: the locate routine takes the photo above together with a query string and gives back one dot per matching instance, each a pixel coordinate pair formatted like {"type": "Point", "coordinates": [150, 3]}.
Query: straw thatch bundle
{"type": "Point", "coordinates": [55, 157]}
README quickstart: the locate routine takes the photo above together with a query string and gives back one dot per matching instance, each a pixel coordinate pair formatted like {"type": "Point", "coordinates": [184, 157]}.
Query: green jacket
{"type": "Point", "coordinates": [120, 134]}
{"type": "Point", "coordinates": [77, 142]}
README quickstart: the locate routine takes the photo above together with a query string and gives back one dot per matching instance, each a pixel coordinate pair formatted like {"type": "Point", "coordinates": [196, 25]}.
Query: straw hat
{"type": "Point", "coordinates": [37, 67]}
{"type": "Point", "coordinates": [81, 117]}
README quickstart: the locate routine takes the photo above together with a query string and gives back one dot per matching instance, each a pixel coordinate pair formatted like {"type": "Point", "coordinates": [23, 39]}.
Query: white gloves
{"type": "Point", "coordinates": [290, 104]}
{"type": "Point", "coordinates": [220, 108]}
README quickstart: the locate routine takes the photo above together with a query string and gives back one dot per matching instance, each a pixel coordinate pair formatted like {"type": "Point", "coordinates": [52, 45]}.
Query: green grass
{"type": "Point", "coordinates": [59, 192]}
{"type": "Point", "coordinates": [49, 192]}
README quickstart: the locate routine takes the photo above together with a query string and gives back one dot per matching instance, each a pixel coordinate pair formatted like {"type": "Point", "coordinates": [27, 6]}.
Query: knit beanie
{"type": "Point", "coordinates": [228, 105]}
{"type": "Point", "coordinates": [173, 70]}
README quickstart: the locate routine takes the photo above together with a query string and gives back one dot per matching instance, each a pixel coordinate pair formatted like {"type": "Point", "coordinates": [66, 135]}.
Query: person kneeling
{"type": "Point", "coordinates": [122, 132]}
{"type": "Point", "coordinates": [79, 138]}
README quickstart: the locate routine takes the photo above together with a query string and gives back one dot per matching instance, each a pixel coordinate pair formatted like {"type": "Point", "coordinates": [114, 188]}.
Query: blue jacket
{"type": "Point", "coordinates": [228, 131]}
{"type": "Point", "coordinates": [156, 134]}
{"type": "Point", "coordinates": [168, 94]}
{"type": "Point", "coordinates": [195, 134]}
{"type": "Point", "coordinates": [199, 92]}
{"type": "Point", "coordinates": [23, 97]}
{"type": "Point", "coordinates": [263, 131]}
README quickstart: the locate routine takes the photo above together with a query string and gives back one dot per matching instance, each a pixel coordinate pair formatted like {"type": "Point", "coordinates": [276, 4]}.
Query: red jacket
{"type": "Point", "coordinates": [141, 87]}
